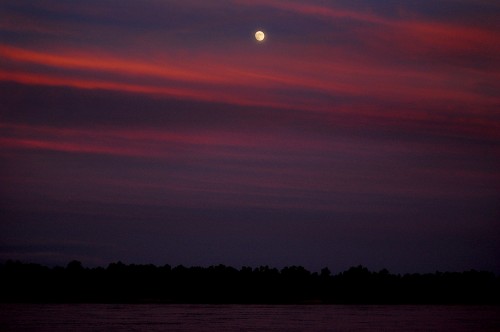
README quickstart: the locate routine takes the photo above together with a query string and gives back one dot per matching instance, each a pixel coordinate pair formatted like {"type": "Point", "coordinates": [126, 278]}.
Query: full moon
{"type": "Point", "coordinates": [259, 35]}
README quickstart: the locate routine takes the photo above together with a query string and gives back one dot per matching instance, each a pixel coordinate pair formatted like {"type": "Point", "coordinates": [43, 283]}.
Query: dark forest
{"type": "Point", "coordinates": [122, 283]}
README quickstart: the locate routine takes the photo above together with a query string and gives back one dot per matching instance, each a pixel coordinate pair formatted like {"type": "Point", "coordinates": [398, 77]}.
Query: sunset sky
{"type": "Point", "coordinates": [358, 132]}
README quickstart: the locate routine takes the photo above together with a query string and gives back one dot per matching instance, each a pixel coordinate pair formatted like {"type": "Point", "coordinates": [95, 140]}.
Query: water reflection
{"type": "Point", "coordinates": [142, 317]}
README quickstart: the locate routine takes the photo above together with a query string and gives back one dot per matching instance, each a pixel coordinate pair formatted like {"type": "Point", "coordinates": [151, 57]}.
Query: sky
{"type": "Point", "coordinates": [358, 132]}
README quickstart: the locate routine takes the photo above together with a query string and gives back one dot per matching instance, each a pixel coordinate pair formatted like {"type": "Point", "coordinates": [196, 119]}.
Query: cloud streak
{"type": "Point", "coordinates": [351, 123]}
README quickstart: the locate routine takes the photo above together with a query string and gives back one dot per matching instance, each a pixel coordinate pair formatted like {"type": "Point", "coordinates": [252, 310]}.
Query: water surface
{"type": "Point", "coordinates": [157, 317]}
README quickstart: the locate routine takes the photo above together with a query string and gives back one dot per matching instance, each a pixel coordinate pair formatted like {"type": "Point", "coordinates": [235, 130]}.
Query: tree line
{"type": "Point", "coordinates": [122, 283]}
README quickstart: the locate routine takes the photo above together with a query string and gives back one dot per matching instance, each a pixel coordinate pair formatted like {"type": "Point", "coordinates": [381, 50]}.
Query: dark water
{"type": "Point", "coordinates": [109, 317]}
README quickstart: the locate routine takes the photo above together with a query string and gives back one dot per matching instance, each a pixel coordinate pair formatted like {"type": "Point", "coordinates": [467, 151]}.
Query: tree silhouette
{"type": "Point", "coordinates": [121, 283]}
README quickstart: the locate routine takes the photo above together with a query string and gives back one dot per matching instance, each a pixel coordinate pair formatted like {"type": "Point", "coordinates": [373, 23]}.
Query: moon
{"type": "Point", "coordinates": [259, 35]}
